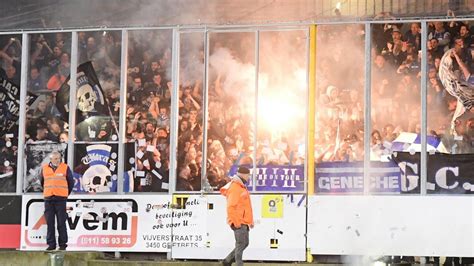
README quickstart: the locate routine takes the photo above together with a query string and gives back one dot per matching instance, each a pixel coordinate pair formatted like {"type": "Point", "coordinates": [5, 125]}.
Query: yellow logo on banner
{"type": "Point", "coordinates": [179, 201]}
{"type": "Point", "coordinates": [272, 206]}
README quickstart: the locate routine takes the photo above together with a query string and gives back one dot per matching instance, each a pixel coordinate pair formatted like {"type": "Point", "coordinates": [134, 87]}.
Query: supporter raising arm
{"type": "Point", "coordinates": [463, 67]}
{"type": "Point", "coordinates": [10, 43]}
{"type": "Point", "coordinates": [154, 107]}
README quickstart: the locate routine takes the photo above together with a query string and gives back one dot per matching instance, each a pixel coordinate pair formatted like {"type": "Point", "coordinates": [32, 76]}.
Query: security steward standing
{"type": "Point", "coordinates": [239, 214]}
{"type": "Point", "coordinates": [57, 181]}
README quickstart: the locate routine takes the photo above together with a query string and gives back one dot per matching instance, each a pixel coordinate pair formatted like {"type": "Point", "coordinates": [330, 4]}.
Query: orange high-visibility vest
{"type": "Point", "coordinates": [55, 182]}
{"type": "Point", "coordinates": [239, 206]}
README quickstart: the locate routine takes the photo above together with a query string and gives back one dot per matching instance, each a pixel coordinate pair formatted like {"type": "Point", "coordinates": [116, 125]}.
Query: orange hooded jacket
{"type": "Point", "coordinates": [239, 207]}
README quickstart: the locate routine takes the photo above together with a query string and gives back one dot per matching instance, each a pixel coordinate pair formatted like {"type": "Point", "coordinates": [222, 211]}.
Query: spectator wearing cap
{"type": "Point", "coordinates": [239, 213]}
{"type": "Point", "coordinates": [396, 48]}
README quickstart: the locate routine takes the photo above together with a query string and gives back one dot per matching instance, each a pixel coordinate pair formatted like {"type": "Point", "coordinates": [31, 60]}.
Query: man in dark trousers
{"type": "Point", "coordinates": [57, 181]}
{"type": "Point", "coordinates": [239, 214]}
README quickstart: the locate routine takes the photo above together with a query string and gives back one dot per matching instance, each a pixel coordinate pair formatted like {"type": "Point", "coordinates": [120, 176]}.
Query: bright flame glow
{"type": "Point", "coordinates": [282, 108]}
{"type": "Point", "coordinates": [276, 112]}
{"type": "Point", "coordinates": [338, 5]}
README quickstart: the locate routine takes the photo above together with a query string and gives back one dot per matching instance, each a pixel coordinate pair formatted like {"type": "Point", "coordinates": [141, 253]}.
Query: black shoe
{"type": "Point", "coordinates": [62, 247]}
{"type": "Point", "coordinates": [51, 248]}
{"type": "Point", "coordinates": [225, 263]}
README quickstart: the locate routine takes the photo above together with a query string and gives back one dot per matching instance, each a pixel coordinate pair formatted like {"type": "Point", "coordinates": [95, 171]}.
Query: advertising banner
{"type": "Point", "coordinates": [10, 214]}
{"type": "Point", "coordinates": [138, 223]}
{"type": "Point", "coordinates": [279, 232]}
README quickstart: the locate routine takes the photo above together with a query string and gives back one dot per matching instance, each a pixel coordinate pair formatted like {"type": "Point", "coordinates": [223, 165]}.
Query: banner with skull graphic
{"type": "Point", "coordinates": [95, 168]}
{"type": "Point", "coordinates": [91, 104]}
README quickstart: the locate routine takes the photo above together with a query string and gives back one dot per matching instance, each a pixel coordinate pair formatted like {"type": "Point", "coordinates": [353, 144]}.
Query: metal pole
{"type": "Point", "coordinates": [367, 107]}
{"type": "Point", "coordinates": [123, 116]}
{"type": "Point", "coordinates": [174, 112]}
{"type": "Point", "coordinates": [72, 99]}
{"type": "Point", "coordinates": [311, 108]}
{"type": "Point", "coordinates": [249, 27]}
{"type": "Point", "coordinates": [424, 125]}
{"type": "Point", "coordinates": [255, 118]}
{"type": "Point", "coordinates": [25, 59]}
{"type": "Point", "coordinates": [205, 115]}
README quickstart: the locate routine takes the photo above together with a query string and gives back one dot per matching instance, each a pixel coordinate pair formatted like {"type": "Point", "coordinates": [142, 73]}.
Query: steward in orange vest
{"type": "Point", "coordinates": [57, 182]}
{"type": "Point", "coordinates": [239, 214]}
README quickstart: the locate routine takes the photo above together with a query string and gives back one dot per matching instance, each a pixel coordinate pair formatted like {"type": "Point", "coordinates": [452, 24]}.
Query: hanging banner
{"type": "Point", "coordinates": [95, 168]}
{"type": "Point", "coordinates": [275, 177]}
{"type": "Point", "coordinates": [10, 105]}
{"type": "Point", "coordinates": [151, 175]}
{"type": "Point", "coordinates": [348, 177]}
{"type": "Point", "coordinates": [94, 120]}
{"type": "Point", "coordinates": [9, 116]}
{"type": "Point", "coordinates": [115, 223]}
{"type": "Point", "coordinates": [446, 173]}
{"type": "Point", "coordinates": [37, 155]}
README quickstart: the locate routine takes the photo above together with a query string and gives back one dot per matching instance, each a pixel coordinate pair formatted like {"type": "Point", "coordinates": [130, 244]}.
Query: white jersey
{"type": "Point", "coordinates": [455, 86]}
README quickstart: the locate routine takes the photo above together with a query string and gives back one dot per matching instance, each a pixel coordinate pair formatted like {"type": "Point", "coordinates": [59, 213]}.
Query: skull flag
{"type": "Point", "coordinates": [95, 168]}
{"type": "Point", "coordinates": [90, 97]}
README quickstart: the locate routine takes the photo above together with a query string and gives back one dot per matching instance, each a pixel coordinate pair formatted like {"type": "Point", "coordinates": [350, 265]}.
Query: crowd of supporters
{"type": "Point", "coordinates": [396, 94]}
{"type": "Point", "coordinates": [396, 88]}
{"type": "Point", "coordinates": [49, 66]}
{"type": "Point", "coordinates": [48, 70]}
{"type": "Point", "coordinates": [148, 107]}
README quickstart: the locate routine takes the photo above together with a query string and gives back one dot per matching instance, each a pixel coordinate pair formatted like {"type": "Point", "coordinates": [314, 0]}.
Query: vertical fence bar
{"type": "Point", "coordinates": [174, 112]}
{"type": "Point", "coordinates": [311, 108]}
{"type": "Point", "coordinates": [72, 99]}
{"type": "Point", "coordinates": [204, 181]}
{"type": "Point", "coordinates": [122, 114]}
{"type": "Point", "coordinates": [424, 125]}
{"type": "Point", "coordinates": [255, 118]}
{"type": "Point", "coordinates": [25, 59]}
{"type": "Point", "coordinates": [307, 114]}
{"type": "Point", "coordinates": [367, 106]}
